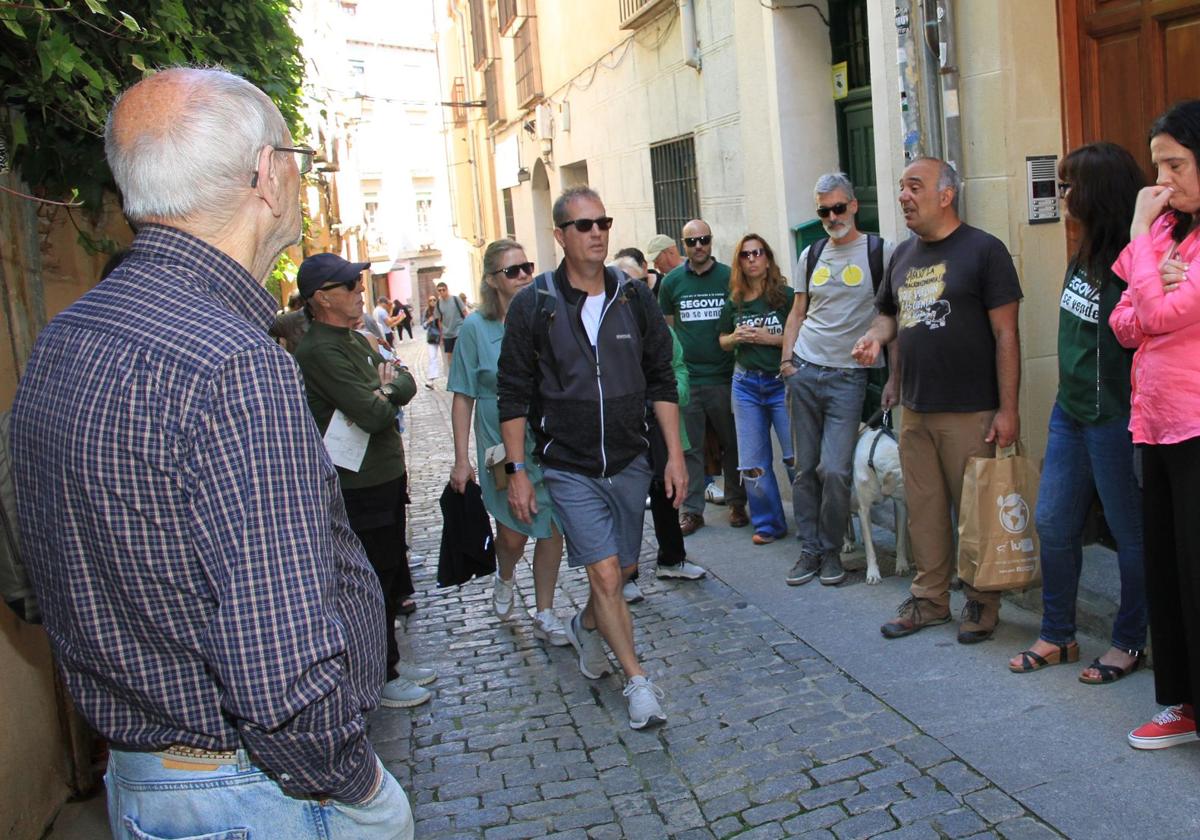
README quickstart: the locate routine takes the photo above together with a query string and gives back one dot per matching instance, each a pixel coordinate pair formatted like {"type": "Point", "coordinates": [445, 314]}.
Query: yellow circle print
{"type": "Point", "coordinates": [821, 276]}
{"type": "Point", "coordinates": [852, 275]}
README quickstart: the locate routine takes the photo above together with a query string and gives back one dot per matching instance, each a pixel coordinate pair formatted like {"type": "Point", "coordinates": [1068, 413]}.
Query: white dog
{"type": "Point", "coordinates": [877, 476]}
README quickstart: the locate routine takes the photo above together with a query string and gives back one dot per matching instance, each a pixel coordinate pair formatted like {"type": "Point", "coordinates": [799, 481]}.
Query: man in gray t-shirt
{"type": "Point", "coordinates": [452, 312]}
{"type": "Point", "coordinates": [835, 303]}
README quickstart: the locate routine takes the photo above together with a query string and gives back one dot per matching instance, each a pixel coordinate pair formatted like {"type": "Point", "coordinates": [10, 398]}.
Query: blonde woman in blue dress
{"type": "Point", "coordinates": [473, 381]}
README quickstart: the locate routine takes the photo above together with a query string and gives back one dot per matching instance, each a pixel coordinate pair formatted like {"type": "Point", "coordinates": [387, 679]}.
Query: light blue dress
{"type": "Point", "coordinates": [473, 374]}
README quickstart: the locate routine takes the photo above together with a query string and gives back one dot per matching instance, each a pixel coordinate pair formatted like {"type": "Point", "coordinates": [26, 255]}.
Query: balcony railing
{"type": "Point", "coordinates": [637, 13]}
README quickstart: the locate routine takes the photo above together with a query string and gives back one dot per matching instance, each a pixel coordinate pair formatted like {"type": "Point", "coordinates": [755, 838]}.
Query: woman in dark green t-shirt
{"type": "Point", "coordinates": [751, 325]}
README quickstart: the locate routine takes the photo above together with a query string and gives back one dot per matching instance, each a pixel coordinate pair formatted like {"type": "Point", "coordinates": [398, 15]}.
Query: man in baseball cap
{"type": "Point", "coordinates": [663, 252]}
{"type": "Point", "coordinates": [322, 270]}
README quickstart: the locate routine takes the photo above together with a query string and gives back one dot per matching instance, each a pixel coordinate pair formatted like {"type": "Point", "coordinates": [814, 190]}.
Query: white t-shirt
{"type": "Point", "coordinates": [381, 318]}
{"type": "Point", "coordinates": [593, 308]}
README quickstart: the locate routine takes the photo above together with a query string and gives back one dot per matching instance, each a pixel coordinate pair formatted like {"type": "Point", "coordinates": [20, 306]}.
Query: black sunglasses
{"type": "Point", "coordinates": [1063, 187]}
{"type": "Point", "coordinates": [514, 271]}
{"type": "Point", "coordinates": [838, 208]}
{"type": "Point", "coordinates": [751, 252]}
{"type": "Point", "coordinates": [349, 285]}
{"type": "Point", "coordinates": [584, 225]}
{"type": "Point", "coordinates": [693, 241]}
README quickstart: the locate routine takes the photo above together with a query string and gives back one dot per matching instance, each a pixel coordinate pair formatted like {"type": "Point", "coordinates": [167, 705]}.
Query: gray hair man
{"type": "Point", "coordinates": [825, 384]}
{"type": "Point", "coordinates": [950, 301]}
{"type": "Point", "coordinates": [228, 654]}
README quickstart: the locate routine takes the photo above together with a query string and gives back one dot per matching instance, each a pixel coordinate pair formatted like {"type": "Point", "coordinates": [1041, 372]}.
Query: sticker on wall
{"type": "Point", "coordinates": [841, 83]}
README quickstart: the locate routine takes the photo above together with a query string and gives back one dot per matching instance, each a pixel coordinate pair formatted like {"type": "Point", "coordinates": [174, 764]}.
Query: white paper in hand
{"type": "Point", "coordinates": [346, 443]}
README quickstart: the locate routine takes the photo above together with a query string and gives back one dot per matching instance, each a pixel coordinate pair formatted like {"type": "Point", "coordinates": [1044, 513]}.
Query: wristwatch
{"type": "Point", "coordinates": [514, 467]}
{"type": "Point", "coordinates": [387, 390]}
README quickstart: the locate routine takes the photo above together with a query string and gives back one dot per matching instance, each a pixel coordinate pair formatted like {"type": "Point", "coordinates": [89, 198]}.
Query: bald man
{"type": "Point", "coordinates": [229, 654]}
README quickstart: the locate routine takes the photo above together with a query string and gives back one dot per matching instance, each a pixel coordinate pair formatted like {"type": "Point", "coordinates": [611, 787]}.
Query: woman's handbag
{"type": "Point", "coordinates": [433, 333]}
{"type": "Point", "coordinates": [494, 458]}
{"type": "Point", "coordinates": [998, 547]}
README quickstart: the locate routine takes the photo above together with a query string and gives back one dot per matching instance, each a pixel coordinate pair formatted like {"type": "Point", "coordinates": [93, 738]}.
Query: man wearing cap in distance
{"type": "Point", "coordinates": [663, 254]}
{"type": "Point", "coordinates": [342, 373]}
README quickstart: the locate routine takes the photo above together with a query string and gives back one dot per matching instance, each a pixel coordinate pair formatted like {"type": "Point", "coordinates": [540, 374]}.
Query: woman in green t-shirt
{"type": "Point", "coordinates": [751, 325]}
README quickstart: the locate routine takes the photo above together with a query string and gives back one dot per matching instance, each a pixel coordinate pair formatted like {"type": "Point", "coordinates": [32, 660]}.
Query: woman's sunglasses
{"type": "Point", "coordinates": [751, 253]}
{"type": "Point", "coordinates": [584, 225]}
{"type": "Point", "coordinates": [838, 208]}
{"type": "Point", "coordinates": [515, 271]}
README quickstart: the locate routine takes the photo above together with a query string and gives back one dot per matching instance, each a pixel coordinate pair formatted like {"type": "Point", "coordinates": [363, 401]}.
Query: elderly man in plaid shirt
{"type": "Point", "coordinates": [211, 611]}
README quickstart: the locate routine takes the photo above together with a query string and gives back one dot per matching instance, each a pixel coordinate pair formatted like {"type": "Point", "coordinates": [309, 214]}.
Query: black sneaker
{"type": "Point", "coordinates": [804, 570]}
{"type": "Point", "coordinates": [832, 572]}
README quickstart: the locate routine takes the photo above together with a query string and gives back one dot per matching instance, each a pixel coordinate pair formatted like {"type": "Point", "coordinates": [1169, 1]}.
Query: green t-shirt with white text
{"type": "Point", "coordinates": [695, 301]}
{"type": "Point", "coordinates": [757, 313]}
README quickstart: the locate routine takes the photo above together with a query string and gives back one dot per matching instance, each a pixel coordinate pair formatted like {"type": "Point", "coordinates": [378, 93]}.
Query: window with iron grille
{"type": "Point", "coordinates": [848, 38]}
{"type": "Point", "coordinates": [491, 92]}
{"type": "Point", "coordinates": [479, 32]}
{"type": "Point", "coordinates": [510, 218]}
{"type": "Point", "coordinates": [676, 192]}
{"type": "Point", "coordinates": [529, 76]}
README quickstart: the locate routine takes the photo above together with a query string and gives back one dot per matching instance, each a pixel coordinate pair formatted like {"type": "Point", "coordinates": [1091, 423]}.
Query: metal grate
{"type": "Point", "coordinates": [479, 32]}
{"type": "Point", "coordinates": [529, 77]}
{"type": "Point", "coordinates": [491, 93]}
{"type": "Point", "coordinates": [676, 192]}
{"type": "Point", "coordinates": [848, 37]}
{"type": "Point", "coordinates": [459, 94]}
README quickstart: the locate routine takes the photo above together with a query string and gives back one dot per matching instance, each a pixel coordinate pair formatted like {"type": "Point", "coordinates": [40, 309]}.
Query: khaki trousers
{"type": "Point", "coordinates": [934, 450]}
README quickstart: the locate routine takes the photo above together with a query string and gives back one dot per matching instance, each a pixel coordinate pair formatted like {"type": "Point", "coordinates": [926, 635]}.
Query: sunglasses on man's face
{"type": "Point", "coordinates": [751, 253]}
{"type": "Point", "coordinates": [349, 285]}
{"type": "Point", "coordinates": [584, 225]}
{"type": "Point", "coordinates": [836, 209]}
{"type": "Point", "coordinates": [693, 241]}
{"type": "Point", "coordinates": [512, 272]}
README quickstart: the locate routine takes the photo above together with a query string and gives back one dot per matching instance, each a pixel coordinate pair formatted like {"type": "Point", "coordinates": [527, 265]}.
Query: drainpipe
{"type": "Point", "coordinates": [687, 25]}
{"type": "Point", "coordinates": [929, 52]}
{"type": "Point", "coordinates": [948, 70]}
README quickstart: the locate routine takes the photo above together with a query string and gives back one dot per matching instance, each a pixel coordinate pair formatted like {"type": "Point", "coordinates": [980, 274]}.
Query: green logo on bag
{"type": "Point", "coordinates": [1014, 513]}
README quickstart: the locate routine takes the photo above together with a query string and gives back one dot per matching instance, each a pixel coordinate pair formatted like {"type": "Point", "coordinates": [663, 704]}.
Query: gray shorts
{"type": "Point", "coordinates": [601, 517]}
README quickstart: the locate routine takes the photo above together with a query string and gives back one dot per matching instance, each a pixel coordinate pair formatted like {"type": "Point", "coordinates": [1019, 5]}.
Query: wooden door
{"type": "Point", "coordinates": [1123, 63]}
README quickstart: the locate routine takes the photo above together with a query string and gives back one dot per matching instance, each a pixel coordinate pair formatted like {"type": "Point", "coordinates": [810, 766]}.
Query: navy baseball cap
{"type": "Point", "coordinates": [322, 269]}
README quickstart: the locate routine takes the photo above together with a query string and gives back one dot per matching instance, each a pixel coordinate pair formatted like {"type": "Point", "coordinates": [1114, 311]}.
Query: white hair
{"type": "Point", "coordinates": [192, 166]}
{"type": "Point", "coordinates": [834, 181]}
{"type": "Point", "coordinates": [629, 265]}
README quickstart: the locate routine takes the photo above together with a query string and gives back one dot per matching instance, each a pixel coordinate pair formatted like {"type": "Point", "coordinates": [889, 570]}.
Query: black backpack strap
{"type": "Point", "coordinates": [814, 254]}
{"type": "Point", "coordinates": [875, 259]}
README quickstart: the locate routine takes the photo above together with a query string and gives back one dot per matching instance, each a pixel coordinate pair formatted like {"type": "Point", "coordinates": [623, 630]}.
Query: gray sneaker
{"type": "Point", "coordinates": [402, 693]}
{"type": "Point", "coordinates": [832, 572]}
{"type": "Point", "coordinates": [593, 664]}
{"type": "Point", "coordinates": [644, 708]}
{"type": "Point", "coordinates": [804, 570]}
{"type": "Point", "coordinates": [415, 673]}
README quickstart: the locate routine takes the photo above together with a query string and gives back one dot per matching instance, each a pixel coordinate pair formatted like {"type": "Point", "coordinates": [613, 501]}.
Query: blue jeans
{"type": "Point", "coordinates": [759, 403]}
{"type": "Point", "coordinates": [150, 801]}
{"type": "Point", "coordinates": [1080, 457]}
{"type": "Point", "coordinates": [826, 404]}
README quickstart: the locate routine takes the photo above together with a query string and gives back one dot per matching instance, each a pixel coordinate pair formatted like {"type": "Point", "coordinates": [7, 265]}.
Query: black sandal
{"type": "Point", "coordinates": [1031, 661]}
{"type": "Point", "coordinates": [1111, 673]}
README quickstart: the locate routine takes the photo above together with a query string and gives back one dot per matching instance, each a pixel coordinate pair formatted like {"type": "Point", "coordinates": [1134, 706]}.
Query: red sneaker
{"type": "Point", "coordinates": [1173, 725]}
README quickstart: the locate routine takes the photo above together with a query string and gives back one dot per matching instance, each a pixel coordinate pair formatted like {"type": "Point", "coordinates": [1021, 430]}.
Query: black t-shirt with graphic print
{"type": "Point", "coordinates": [940, 293]}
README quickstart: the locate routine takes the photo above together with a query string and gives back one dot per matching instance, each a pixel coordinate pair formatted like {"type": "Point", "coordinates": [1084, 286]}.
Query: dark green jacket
{"type": "Point", "coordinates": [341, 372]}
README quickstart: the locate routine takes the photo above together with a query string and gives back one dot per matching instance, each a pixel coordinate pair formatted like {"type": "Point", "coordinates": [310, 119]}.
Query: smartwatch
{"type": "Point", "coordinates": [511, 467]}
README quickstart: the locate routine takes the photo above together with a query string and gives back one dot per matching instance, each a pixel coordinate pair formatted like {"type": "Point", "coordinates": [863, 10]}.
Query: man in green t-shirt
{"type": "Point", "coordinates": [691, 298]}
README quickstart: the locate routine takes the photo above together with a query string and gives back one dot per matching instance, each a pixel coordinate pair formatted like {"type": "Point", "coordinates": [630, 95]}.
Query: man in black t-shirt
{"type": "Point", "coordinates": [950, 301]}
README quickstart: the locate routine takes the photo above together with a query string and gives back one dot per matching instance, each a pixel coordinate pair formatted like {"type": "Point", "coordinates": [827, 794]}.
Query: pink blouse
{"type": "Point", "coordinates": [1165, 329]}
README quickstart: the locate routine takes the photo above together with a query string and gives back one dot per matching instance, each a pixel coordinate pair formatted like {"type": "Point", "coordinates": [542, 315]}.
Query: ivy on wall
{"type": "Point", "coordinates": [63, 63]}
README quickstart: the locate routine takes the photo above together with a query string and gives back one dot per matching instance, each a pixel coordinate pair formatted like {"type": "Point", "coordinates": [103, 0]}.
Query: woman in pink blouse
{"type": "Point", "coordinates": [1159, 315]}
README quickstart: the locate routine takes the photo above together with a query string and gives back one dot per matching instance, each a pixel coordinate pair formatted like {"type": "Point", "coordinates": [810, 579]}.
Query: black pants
{"type": "Point", "coordinates": [404, 325]}
{"type": "Point", "coordinates": [1171, 510]}
{"type": "Point", "coordinates": [662, 511]}
{"type": "Point", "coordinates": [378, 517]}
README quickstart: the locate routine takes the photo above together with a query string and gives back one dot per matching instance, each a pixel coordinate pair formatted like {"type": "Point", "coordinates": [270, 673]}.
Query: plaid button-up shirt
{"type": "Point", "coordinates": [184, 529]}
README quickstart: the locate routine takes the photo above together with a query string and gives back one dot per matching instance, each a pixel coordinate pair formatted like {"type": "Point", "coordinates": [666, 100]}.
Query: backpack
{"type": "Point", "coordinates": [874, 259]}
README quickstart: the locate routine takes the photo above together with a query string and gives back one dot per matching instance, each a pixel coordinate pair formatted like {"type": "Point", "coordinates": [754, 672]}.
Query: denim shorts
{"type": "Point", "coordinates": [150, 801]}
{"type": "Point", "coordinates": [601, 517]}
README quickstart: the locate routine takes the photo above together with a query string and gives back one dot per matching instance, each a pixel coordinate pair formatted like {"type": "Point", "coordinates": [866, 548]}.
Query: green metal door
{"type": "Point", "coordinates": [856, 131]}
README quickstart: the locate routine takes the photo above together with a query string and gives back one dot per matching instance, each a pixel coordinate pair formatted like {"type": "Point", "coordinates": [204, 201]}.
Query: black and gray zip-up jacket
{"type": "Point", "coordinates": [586, 406]}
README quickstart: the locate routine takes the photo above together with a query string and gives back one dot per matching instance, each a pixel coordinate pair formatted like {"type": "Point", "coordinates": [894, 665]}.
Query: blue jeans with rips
{"type": "Point", "coordinates": [759, 402]}
{"type": "Point", "coordinates": [1082, 459]}
{"type": "Point", "coordinates": [150, 800]}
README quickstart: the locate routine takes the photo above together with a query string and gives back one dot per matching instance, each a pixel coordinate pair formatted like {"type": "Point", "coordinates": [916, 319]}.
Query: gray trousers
{"type": "Point", "coordinates": [712, 402]}
{"type": "Point", "coordinates": [825, 405]}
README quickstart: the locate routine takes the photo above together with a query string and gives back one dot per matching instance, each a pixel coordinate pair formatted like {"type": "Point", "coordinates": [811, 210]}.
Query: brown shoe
{"type": "Point", "coordinates": [977, 622]}
{"type": "Point", "coordinates": [690, 523]}
{"type": "Point", "coordinates": [738, 517]}
{"type": "Point", "coordinates": [914, 614]}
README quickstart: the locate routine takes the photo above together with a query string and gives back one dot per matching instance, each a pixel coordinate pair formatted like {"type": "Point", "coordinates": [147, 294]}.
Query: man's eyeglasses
{"type": "Point", "coordinates": [584, 225]}
{"type": "Point", "coordinates": [305, 163]}
{"type": "Point", "coordinates": [751, 253]}
{"type": "Point", "coordinates": [349, 285]}
{"type": "Point", "coordinates": [836, 209]}
{"type": "Point", "coordinates": [512, 272]}
{"type": "Point", "coordinates": [693, 241]}
{"type": "Point", "coordinates": [1063, 189]}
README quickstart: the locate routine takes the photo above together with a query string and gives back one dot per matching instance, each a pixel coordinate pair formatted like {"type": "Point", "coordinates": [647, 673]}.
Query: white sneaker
{"type": "Point", "coordinates": [632, 594]}
{"type": "Point", "coordinates": [503, 595]}
{"type": "Point", "coordinates": [402, 693]}
{"type": "Point", "coordinates": [549, 628]}
{"type": "Point", "coordinates": [684, 571]}
{"type": "Point", "coordinates": [713, 493]}
{"type": "Point", "coordinates": [593, 664]}
{"type": "Point", "coordinates": [415, 559]}
{"type": "Point", "coordinates": [644, 708]}
{"type": "Point", "coordinates": [415, 673]}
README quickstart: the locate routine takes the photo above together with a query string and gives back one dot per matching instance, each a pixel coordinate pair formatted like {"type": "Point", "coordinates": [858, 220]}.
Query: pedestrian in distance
{"type": "Point", "coordinates": [584, 349]}
{"type": "Point", "coordinates": [506, 271]}
{"type": "Point", "coordinates": [950, 301]}
{"type": "Point", "coordinates": [404, 312]}
{"type": "Point", "coordinates": [431, 322]}
{"type": "Point", "coordinates": [1089, 449]}
{"type": "Point", "coordinates": [751, 327]}
{"type": "Point", "coordinates": [211, 612]}
{"type": "Point", "coordinates": [452, 311]}
{"type": "Point", "coordinates": [1159, 316]}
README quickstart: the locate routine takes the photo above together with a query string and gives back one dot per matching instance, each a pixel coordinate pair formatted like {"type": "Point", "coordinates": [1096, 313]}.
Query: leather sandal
{"type": "Point", "coordinates": [1031, 661]}
{"type": "Point", "coordinates": [1111, 673]}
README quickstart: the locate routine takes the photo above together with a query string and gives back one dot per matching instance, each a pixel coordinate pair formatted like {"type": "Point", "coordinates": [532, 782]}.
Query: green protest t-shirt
{"type": "Point", "coordinates": [757, 313]}
{"type": "Point", "coordinates": [695, 301]}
